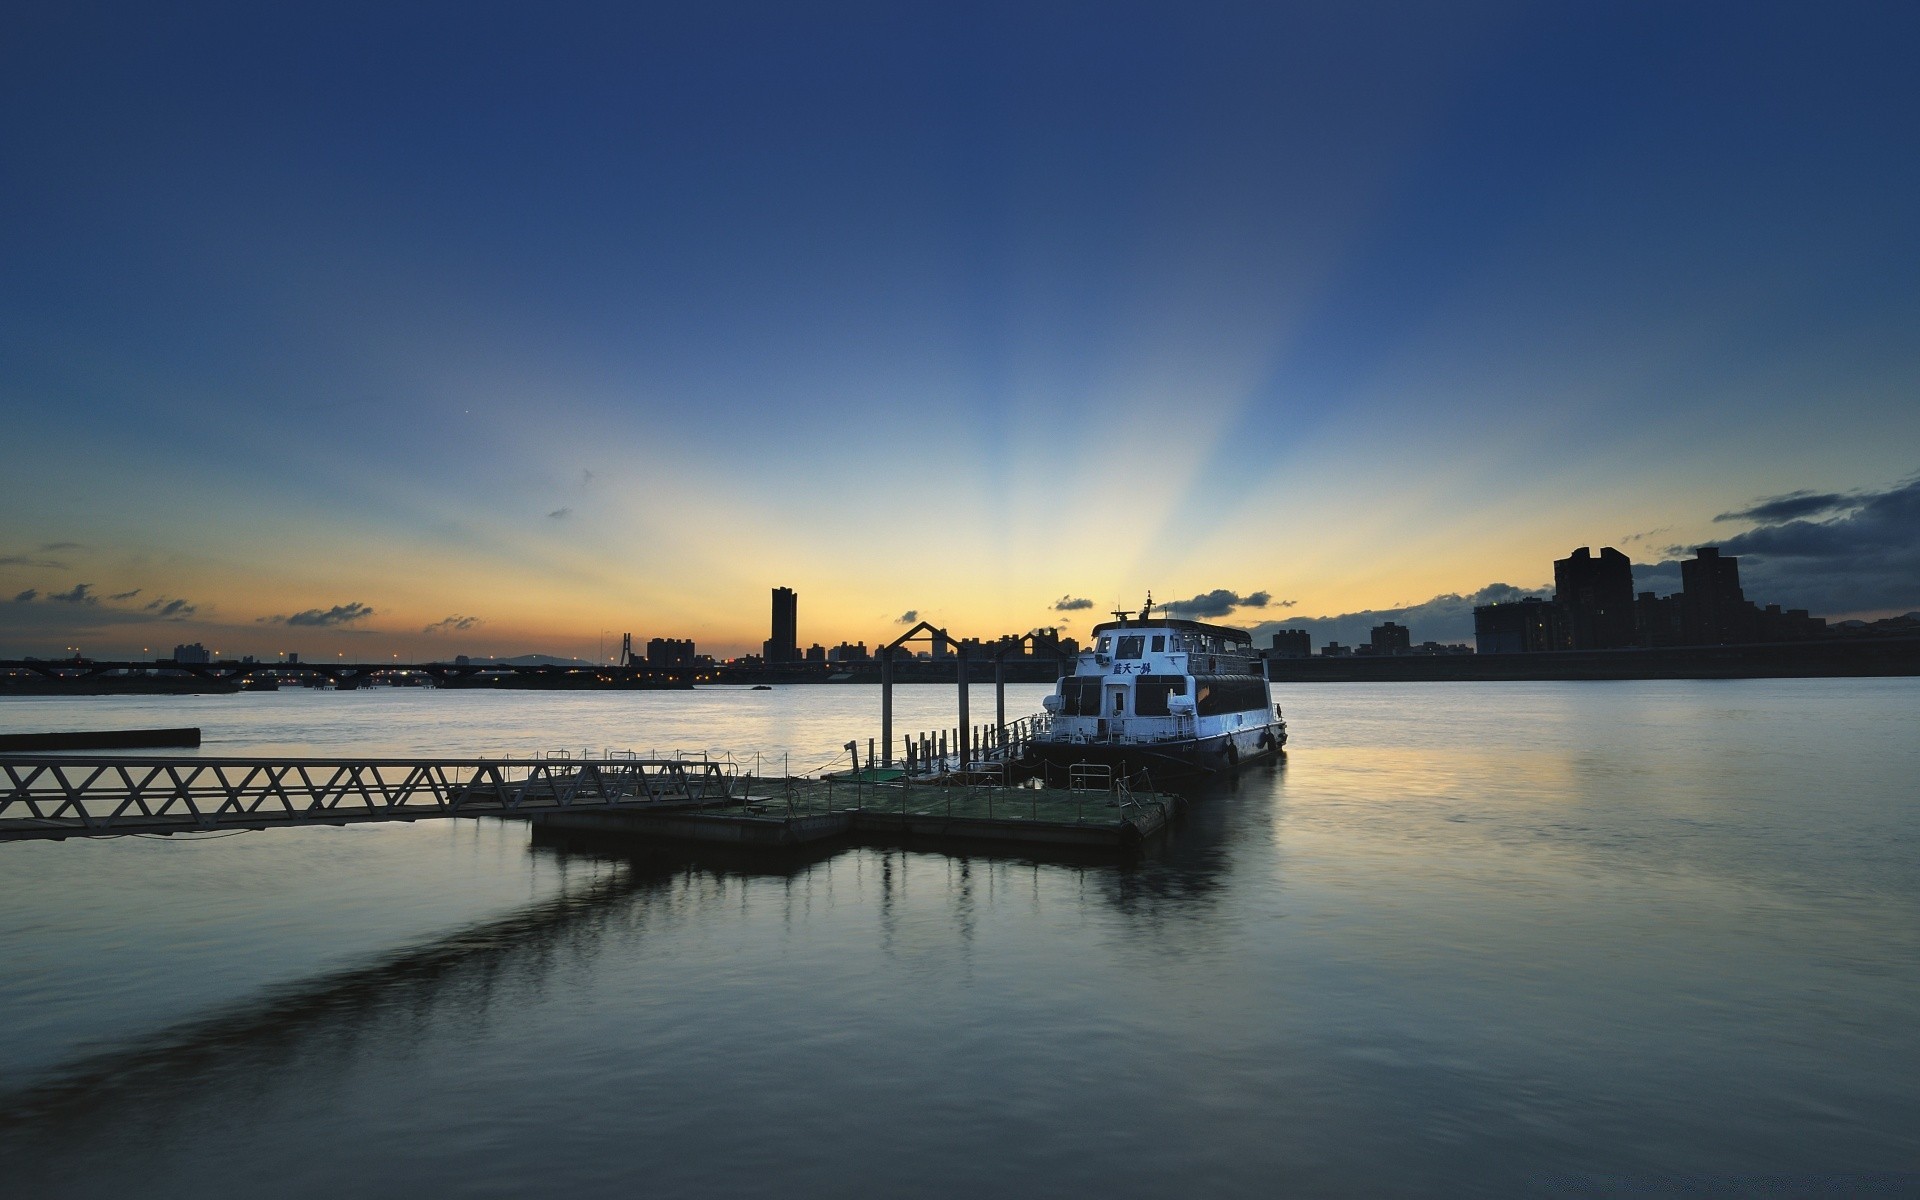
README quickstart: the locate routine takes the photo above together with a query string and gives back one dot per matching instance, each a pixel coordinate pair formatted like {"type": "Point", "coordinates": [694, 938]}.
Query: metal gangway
{"type": "Point", "coordinates": [45, 796]}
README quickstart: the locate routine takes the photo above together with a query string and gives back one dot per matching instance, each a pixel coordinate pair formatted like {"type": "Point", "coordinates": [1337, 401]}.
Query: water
{"type": "Point", "coordinates": [1471, 939]}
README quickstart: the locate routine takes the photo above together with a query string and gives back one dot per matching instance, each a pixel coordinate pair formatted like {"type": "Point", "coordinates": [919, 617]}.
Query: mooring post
{"type": "Point", "coordinates": [886, 702]}
{"type": "Point", "coordinates": [964, 728]}
{"type": "Point", "coordinates": [1000, 691]}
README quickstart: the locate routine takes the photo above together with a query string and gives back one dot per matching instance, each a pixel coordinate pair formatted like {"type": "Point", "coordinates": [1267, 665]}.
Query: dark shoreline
{"type": "Point", "coordinates": [1848, 659]}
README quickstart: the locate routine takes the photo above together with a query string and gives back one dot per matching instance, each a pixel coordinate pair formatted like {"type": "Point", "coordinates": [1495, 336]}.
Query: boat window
{"type": "Point", "coordinates": [1080, 697]}
{"type": "Point", "coordinates": [1119, 701]}
{"type": "Point", "coordinates": [1130, 645]}
{"type": "Point", "coordinates": [1151, 692]}
{"type": "Point", "coordinates": [1159, 643]}
{"type": "Point", "coordinates": [1216, 694]}
{"type": "Point", "coordinates": [1103, 644]}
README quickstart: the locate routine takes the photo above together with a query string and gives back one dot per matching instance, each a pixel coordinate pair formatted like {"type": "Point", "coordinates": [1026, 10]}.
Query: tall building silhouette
{"type": "Point", "coordinates": [1596, 594]}
{"type": "Point", "coordinates": [1713, 609]}
{"type": "Point", "coordinates": [784, 645]}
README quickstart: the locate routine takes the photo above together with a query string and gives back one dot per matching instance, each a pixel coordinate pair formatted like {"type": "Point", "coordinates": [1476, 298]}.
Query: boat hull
{"type": "Point", "coordinates": [1170, 761]}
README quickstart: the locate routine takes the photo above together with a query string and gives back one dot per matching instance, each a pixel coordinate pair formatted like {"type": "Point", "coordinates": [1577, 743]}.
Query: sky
{"type": "Point", "coordinates": [493, 329]}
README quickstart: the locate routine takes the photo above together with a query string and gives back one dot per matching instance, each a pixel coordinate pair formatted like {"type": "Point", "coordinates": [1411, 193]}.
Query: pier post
{"type": "Point", "coordinates": [964, 729]}
{"type": "Point", "coordinates": [886, 702]}
{"type": "Point", "coordinates": [1000, 692]}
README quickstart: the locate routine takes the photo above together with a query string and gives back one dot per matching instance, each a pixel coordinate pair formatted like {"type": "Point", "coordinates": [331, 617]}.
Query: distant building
{"type": "Point", "coordinates": [459, 660]}
{"type": "Point", "coordinates": [1596, 596]}
{"type": "Point", "coordinates": [1713, 610]}
{"type": "Point", "coordinates": [1793, 625]}
{"type": "Point", "coordinates": [1292, 643]}
{"type": "Point", "coordinates": [293, 656]}
{"type": "Point", "coordinates": [784, 645]}
{"type": "Point", "coordinates": [1656, 620]}
{"type": "Point", "coordinates": [849, 652]}
{"type": "Point", "coordinates": [196, 653]}
{"type": "Point", "coordinates": [1391, 639]}
{"type": "Point", "coordinates": [670, 652]}
{"type": "Point", "coordinates": [1527, 626]}
{"type": "Point", "coordinates": [1336, 650]}
{"type": "Point", "coordinates": [816, 653]}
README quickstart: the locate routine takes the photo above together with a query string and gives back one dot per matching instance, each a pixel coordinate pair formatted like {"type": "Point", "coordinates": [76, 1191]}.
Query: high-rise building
{"type": "Point", "coordinates": [1524, 627]}
{"type": "Point", "coordinates": [670, 652]}
{"type": "Point", "coordinates": [1292, 643]}
{"type": "Point", "coordinates": [784, 645]}
{"type": "Point", "coordinates": [1596, 594]}
{"type": "Point", "coordinates": [1390, 639]}
{"type": "Point", "coordinates": [1713, 610]}
{"type": "Point", "coordinates": [195, 653]}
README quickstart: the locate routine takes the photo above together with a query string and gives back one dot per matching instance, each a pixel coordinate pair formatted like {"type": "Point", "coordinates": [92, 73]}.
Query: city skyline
{"type": "Point", "coordinates": [502, 335]}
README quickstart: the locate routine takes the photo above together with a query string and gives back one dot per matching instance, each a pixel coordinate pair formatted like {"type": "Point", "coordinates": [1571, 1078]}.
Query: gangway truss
{"type": "Point", "coordinates": [55, 796]}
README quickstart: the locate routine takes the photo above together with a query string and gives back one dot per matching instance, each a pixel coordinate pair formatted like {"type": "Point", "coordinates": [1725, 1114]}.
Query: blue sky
{"type": "Point", "coordinates": [566, 319]}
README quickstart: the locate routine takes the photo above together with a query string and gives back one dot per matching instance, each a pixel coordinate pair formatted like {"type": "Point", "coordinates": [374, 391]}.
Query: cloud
{"type": "Point", "coordinates": [81, 593]}
{"type": "Point", "coordinates": [27, 596]}
{"type": "Point", "coordinates": [56, 547]}
{"type": "Point", "coordinates": [1071, 604]}
{"type": "Point", "coordinates": [1444, 618]}
{"type": "Point", "coordinates": [1641, 537]}
{"type": "Point", "coordinates": [586, 477]}
{"type": "Point", "coordinates": [1792, 506]}
{"type": "Point", "coordinates": [453, 624]}
{"type": "Point", "coordinates": [28, 560]}
{"type": "Point", "coordinates": [124, 595]}
{"type": "Point", "coordinates": [339, 614]}
{"type": "Point", "coordinates": [1219, 602]}
{"type": "Point", "coordinates": [175, 610]}
{"type": "Point", "coordinates": [908, 617]}
{"type": "Point", "coordinates": [559, 514]}
{"type": "Point", "coordinates": [1866, 560]}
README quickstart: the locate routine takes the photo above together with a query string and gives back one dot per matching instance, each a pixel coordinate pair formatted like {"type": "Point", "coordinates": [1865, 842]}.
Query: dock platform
{"type": "Point", "coordinates": [795, 812]}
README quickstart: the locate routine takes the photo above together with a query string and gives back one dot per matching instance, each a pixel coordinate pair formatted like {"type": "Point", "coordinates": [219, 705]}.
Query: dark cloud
{"type": "Point", "coordinates": [1641, 537]}
{"type": "Point", "coordinates": [1219, 602]}
{"type": "Point", "coordinates": [559, 514]}
{"type": "Point", "coordinates": [1071, 604]}
{"type": "Point", "coordinates": [1444, 618]}
{"type": "Point", "coordinates": [453, 624]}
{"type": "Point", "coordinates": [1793, 506]}
{"type": "Point", "coordinates": [81, 593]}
{"type": "Point", "coordinates": [908, 617]}
{"type": "Point", "coordinates": [339, 614]}
{"type": "Point", "coordinates": [27, 560]}
{"type": "Point", "coordinates": [165, 609]}
{"type": "Point", "coordinates": [27, 596]}
{"type": "Point", "coordinates": [124, 595]}
{"type": "Point", "coordinates": [1864, 561]}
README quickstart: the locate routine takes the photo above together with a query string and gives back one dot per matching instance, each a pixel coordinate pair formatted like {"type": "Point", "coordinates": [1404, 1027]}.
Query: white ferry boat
{"type": "Point", "coordinates": [1171, 697]}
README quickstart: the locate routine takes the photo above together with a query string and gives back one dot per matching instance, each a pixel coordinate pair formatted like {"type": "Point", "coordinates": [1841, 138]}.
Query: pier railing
{"type": "Point", "coordinates": [49, 796]}
{"type": "Point", "coordinates": [937, 751]}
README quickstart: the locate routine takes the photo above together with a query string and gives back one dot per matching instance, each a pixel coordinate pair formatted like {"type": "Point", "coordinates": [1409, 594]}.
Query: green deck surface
{"type": "Point", "coordinates": [1049, 805]}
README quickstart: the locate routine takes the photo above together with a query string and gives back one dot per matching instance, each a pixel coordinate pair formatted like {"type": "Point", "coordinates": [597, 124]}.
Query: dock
{"type": "Point", "coordinates": [682, 799]}
{"type": "Point", "coordinates": [785, 813]}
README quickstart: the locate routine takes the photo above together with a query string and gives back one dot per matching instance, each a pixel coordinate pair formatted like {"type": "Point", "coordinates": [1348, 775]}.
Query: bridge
{"type": "Point", "coordinates": [62, 796]}
{"type": "Point", "coordinates": [226, 675]}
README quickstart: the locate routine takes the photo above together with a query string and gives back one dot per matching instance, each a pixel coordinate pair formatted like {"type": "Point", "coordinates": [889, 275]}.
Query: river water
{"type": "Point", "coordinates": [1470, 939]}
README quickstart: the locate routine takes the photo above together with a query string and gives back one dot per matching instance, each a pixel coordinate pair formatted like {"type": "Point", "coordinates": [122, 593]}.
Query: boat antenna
{"type": "Point", "coordinates": [1146, 614]}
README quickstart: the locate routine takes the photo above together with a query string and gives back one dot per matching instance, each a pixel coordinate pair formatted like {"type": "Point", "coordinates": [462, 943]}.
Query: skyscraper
{"type": "Point", "coordinates": [784, 645]}
{"type": "Point", "coordinates": [1713, 609]}
{"type": "Point", "coordinates": [1597, 596]}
